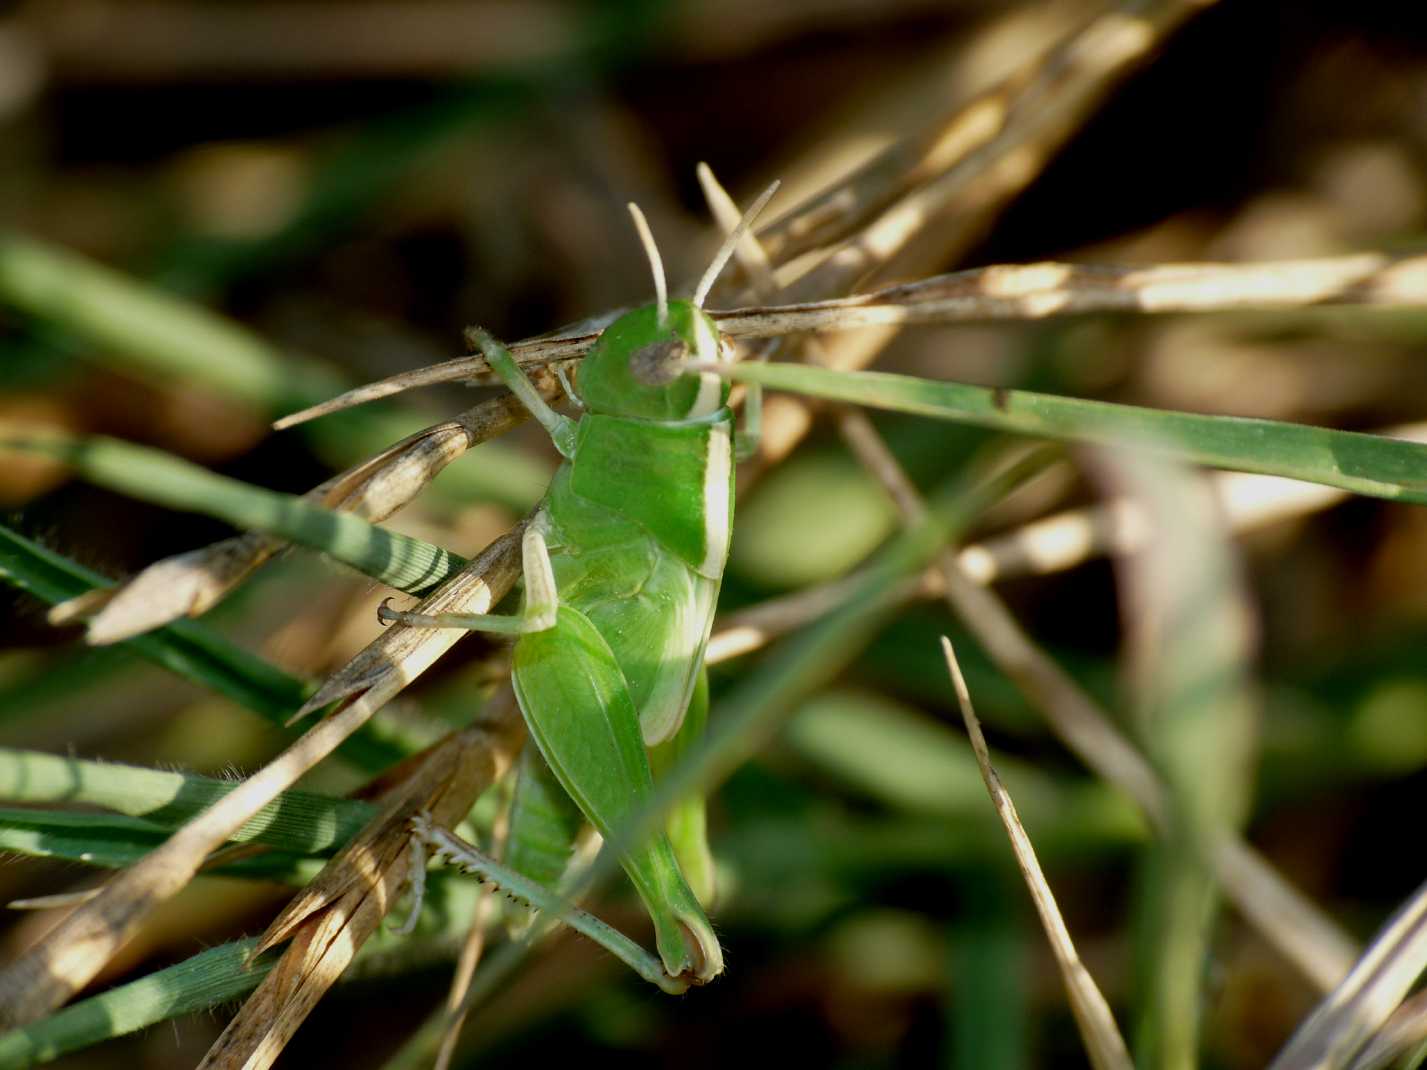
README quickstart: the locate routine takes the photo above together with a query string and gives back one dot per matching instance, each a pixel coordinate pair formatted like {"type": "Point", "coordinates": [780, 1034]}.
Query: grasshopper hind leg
{"type": "Point", "coordinates": [577, 703]}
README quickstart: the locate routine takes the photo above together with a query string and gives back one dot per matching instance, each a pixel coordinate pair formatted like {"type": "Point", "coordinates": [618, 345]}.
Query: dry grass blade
{"type": "Point", "coordinates": [1290, 923]}
{"type": "Point", "coordinates": [1360, 1006]}
{"type": "Point", "coordinates": [1001, 292]}
{"type": "Point", "coordinates": [1037, 291]}
{"type": "Point", "coordinates": [328, 923]}
{"type": "Point", "coordinates": [331, 918]}
{"type": "Point", "coordinates": [191, 583]}
{"type": "Point", "coordinates": [1098, 1030]}
{"type": "Point", "coordinates": [402, 652]}
{"type": "Point", "coordinates": [960, 135]}
{"type": "Point", "coordinates": [529, 354]}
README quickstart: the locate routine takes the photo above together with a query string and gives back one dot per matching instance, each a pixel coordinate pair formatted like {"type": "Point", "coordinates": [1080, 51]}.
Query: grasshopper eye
{"type": "Point", "coordinates": [659, 363]}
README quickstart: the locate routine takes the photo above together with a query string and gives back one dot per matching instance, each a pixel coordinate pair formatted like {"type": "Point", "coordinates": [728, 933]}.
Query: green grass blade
{"type": "Point", "coordinates": [1363, 464]}
{"type": "Point", "coordinates": [163, 336]}
{"type": "Point", "coordinates": [150, 475]}
{"type": "Point", "coordinates": [192, 651]}
{"type": "Point", "coordinates": [113, 841]}
{"type": "Point", "coordinates": [205, 980]}
{"type": "Point", "coordinates": [296, 821]}
{"type": "Point", "coordinates": [1191, 631]}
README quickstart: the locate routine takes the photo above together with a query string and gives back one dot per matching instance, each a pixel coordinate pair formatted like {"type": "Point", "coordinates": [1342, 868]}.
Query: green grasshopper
{"type": "Point", "coordinates": [622, 563]}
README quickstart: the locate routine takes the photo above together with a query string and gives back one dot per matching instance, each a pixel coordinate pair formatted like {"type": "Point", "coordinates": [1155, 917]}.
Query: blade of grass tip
{"type": "Point", "coordinates": [1098, 1031]}
{"type": "Point", "coordinates": [399, 561]}
{"type": "Point", "coordinates": [1357, 1009]}
{"type": "Point", "coordinates": [194, 652]}
{"type": "Point", "coordinates": [1363, 464]}
{"type": "Point", "coordinates": [1288, 920]}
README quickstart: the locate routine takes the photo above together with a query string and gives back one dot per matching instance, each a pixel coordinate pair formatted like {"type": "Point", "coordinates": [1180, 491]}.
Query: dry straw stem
{"type": "Point", "coordinates": [1357, 1010]}
{"type": "Point", "coordinates": [71, 955]}
{"type": "Point", "coordinates": [330, 920]}
{"type": "Point", "coordinates": [1036, 111]}
{"type": "Point", "coordinates": [191, 583]}
{"type": "Point", "coordinates": [1098, 1030]}
{"type": "Point", "coordinates": [1004, 292]}
{"type": "Point", "coordinates": [1038, 291]}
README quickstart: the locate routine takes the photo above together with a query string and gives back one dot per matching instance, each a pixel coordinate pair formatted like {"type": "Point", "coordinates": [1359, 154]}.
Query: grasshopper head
{"type": "Point", "coordinates": [637, 368]}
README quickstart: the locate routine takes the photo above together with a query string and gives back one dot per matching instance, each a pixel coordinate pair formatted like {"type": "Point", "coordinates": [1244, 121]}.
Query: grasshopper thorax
{"type": "Point", "coordinates": [636, 369]}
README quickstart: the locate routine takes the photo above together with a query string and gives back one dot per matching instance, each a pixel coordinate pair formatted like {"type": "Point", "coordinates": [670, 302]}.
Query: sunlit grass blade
{"type": "Point", "coordinates": [295, 821]}
{"type": "Point", "coordinates": [1364, 464]}
{"type": "Point", "coordinates": [192, 651]}
{"type": "Point", "coordinates": [207, 979]}
{"type": "Point", "coordinates": [153, 332]}
{"type": "Point", "coordinates": [113, 841]}
{"type": "Point", "coordinates": [150, 475]}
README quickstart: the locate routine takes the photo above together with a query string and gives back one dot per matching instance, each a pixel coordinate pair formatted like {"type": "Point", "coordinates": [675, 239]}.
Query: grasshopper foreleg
{"type": "Point", "coordinates": [542, 599]}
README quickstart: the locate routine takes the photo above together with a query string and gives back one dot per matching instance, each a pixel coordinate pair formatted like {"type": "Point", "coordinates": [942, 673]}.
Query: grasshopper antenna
{"type": "Point", "coordinates": [656, 265]}
{"type": "Point", "coordinates": [730, 243]}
